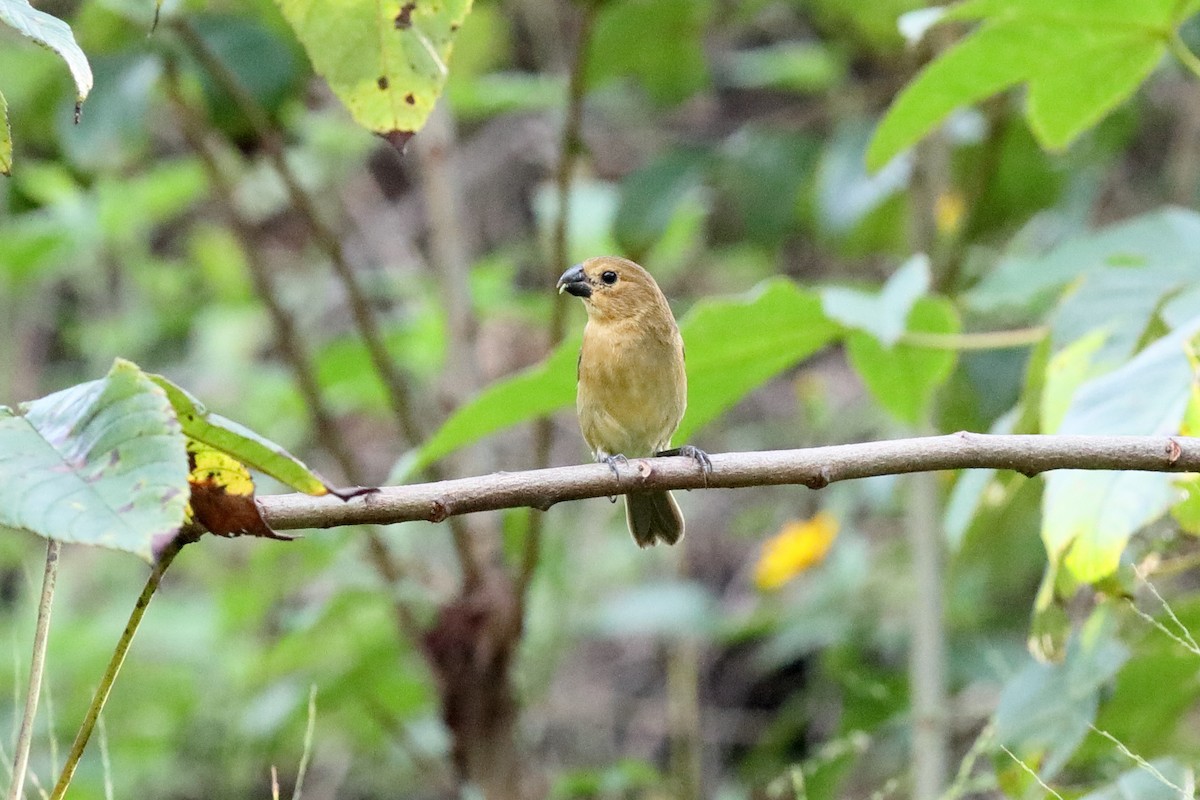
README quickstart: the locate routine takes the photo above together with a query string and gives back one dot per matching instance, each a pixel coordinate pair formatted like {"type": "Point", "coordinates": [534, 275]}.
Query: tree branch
{"type": "Point", "coordinates": [814, 467]}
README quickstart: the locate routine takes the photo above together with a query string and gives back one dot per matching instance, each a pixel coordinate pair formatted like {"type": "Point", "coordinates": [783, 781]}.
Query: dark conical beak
{"type": "Point", "coordinates": [575, 282]}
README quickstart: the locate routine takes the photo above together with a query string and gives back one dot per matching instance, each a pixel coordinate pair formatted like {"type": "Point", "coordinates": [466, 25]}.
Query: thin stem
{"type": "Point", "coordinates": [983, 340]}
{"type": "Point", "coordinates": [1181, 51]}
{"type": "Point", "coordinates": [364, 318]}
{"type": "Point", "coordinates": [37, 668]}
{"type": "Point", "coordinates": [683, 717]}
{"type": "Point", "coordinates": [287, 338]}
{"type": "Point", "coordinates": [569, 147]}
{"type": "Point", "coordinates": [325, 237]}
{"type": "Point", "coordinates": [302, 769]}
{"type": "Point", "coordinates": [114, 667]}
{"type": "Point", "coordinates": [927, 659]}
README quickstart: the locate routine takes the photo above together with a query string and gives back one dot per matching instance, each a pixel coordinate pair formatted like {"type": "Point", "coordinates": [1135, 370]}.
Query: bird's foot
{"type": "Point", "coordinates": [612, 462]}
{"type": "Point", "coordinates": [696, 454]}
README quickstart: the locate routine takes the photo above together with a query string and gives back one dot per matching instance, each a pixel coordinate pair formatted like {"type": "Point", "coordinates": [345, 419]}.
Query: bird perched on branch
{"type": "Point", "coordinates": [632, 386]}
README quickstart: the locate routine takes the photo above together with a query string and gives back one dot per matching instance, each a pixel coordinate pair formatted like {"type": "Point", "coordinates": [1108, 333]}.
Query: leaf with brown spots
{"type": "Point", "coordinates": [387, 60]}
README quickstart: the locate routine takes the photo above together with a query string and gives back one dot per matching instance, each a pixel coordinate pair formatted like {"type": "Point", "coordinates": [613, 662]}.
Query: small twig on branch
{"type": "Point", "coordinates": [814, 467]}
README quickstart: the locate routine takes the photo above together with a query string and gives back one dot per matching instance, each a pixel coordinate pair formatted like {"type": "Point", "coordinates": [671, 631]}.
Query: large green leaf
{"type": "Point", "coordinates": [882, 314]}
{"type": "Point", "coordinates": [733, 346]}
{"type": "Point", "coordinates": [660, 42]}
{"type": "Point", "coordinates": [1164, 242]}
{"type": "Point", "coordinates": [1079, 58]}
{"type": "Point", "coordinates": [239, 441]}
{"type": "Point", "coordinates": [903, 378]}
{"type": "Point", "coordinates": [385, 59]}
{"type": "Point", "coordinates": [1140, 783]}
{"type": "Point", "coordinates": [529, 394]}
{"type": "Point", "coordinates": [1088, 517]}
{"type": "Point", "coordinates": [1047, 709]}
{"type": "Point", "coordinates": [53, 33]}
{"type": "Point", "coordinates": [102, 463]}
{"type": "Point", "coordinates": [651, 195]}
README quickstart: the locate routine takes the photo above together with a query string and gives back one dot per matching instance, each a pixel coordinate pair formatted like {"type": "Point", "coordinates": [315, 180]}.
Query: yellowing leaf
{"type": "Point", "coordinates": [800, 545]}
{"type": "Point", "coordinates": [222, 498]}
{"type": "Point", "coordinates": [385, 59]}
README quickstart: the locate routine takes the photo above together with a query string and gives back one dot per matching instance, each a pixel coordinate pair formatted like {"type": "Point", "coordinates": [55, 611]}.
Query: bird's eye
{"type": "Point", "coordinates": [609, 277]}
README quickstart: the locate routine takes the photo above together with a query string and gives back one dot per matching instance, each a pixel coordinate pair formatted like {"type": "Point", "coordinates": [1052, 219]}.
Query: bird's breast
{"type": "Point", "coordinates": [632, 389]}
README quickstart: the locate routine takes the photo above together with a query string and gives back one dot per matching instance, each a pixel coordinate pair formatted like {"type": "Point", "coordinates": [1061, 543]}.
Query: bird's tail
{"type": "Point", "coordinates": [653, 517]}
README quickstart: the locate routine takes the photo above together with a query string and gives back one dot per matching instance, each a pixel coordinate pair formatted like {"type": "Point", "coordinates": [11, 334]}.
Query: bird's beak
{"type": "Point", "coordinates": [575, 282]}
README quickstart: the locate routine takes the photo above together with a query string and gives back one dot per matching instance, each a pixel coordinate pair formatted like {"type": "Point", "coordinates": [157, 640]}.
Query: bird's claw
{"type": "Point", "coordinates": [696, 454]}
{"type": "Point", "coordinates": [612, 462]}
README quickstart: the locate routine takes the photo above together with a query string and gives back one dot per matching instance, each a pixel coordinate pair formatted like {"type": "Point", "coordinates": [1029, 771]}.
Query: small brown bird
{"type": "Point", "coordinates": [632, 388]}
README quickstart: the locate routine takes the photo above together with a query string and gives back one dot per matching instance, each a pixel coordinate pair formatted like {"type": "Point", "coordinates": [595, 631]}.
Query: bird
{"type": "Point", "coordinates": [631, 383]}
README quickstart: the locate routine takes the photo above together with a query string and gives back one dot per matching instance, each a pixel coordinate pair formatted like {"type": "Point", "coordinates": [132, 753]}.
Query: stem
{"type": "Point", "coordinates": [114, 667]}
{"type": "Point", "coordinates": [286, 336]}
{"type": "Point", "coordinates": [930, 741]}
{"type": "Point", "coordinates": [302, 769]}
{"type": "Point", "coordinates": [983, 340]}
{"type": "Point", "coordinates": [1180, 50]}
{"type": "Point", "coordinates": [37, 668]}
{"type": "Point", "coordinates": [683, 717]}
{"type": "Point", "coordinates": [325, 237]}
{"type": "Point", "coordinates": [569, 146]}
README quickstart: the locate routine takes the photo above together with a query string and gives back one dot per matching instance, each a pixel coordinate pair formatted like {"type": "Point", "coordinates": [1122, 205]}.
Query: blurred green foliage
{"type": "Point", "coordinates": [726, 146]}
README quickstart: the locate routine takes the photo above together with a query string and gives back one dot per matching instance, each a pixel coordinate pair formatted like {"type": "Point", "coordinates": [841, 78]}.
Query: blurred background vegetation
{"type": "Point", "coordinates": [777, 651]}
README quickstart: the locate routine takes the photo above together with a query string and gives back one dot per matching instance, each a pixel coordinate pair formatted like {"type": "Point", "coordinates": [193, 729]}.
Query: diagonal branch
{"type": "Point", "coordinates": [815, 468]}
{"type": "Point", "coordinates": [323, 234]}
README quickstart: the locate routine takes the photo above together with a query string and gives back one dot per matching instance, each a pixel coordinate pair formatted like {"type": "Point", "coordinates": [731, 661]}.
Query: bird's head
{"type": "Point", "coordinates": [613, 288]}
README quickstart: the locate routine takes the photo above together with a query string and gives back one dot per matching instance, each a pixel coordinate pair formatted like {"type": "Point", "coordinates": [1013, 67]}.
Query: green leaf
{"type": "Point", "coordinates": [651, 195]}
{"type": "Point", "coordinates": [6, 147]}
{"type": "Point", "coordinates": [787, 66]}
{"type": "Point", "coordinates": [881, 314]}
{"type": "Point", "coordinates": [102, 463]}
{"type": "Point", "coordinates": [1087, 81]}
{"type": "Point", "coordinates": [532, 393]}
{"type": "Point", "coordinates": [1079, 59]}
{"type": "Point", "coordinates": [386, 60]}
{"type": "Point", "coordinates": [659, 42]}
{"type": "Point", "coordinates": [733, 347]}
{"type": "Point", "coordinates": [903, 378]}
{"type": "Point", "coordinates": [1066, 370]}
{"type": "Point", "coordinates": [239, 441]}
{"type": "Point", "coordinates": [1187, 511]}
{"type": "Point", "coordinates": [1164, 243]}
{"type": "Point", "coordinates": [1049, 708]}
{"type": "Point", "coordinates": [1088, 516]}
{"type": "Point", "coordinates": [53, 33]}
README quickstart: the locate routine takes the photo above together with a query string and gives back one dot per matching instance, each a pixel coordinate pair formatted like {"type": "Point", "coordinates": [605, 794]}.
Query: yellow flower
{"type": "Point", "coordinates": [794, 549]}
